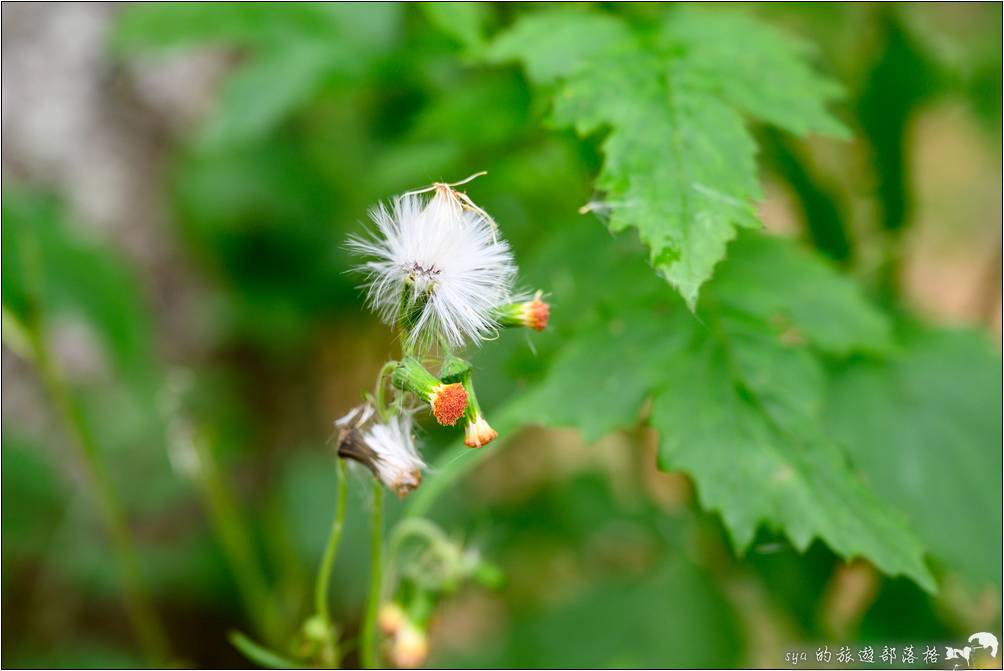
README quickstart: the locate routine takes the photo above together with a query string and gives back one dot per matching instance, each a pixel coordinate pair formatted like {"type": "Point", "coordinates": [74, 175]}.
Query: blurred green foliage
{"type": "Point", "coordinates": [815, 419]}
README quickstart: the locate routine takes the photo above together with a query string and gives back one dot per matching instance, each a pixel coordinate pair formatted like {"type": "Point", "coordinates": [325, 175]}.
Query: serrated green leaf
{"type": "Point", "coordinates": [679, 163]}
{"type": "Point", "coordinates": [553, 44]}
{"type": "Point", "coordinates": [738, 400]}
{"type": "Point", "coordinates": [924, 428]}
{"type": "Point", "coordinates": [739, 415]}
{"type": "Point", "coordinates": [792, 287]}
{"type": "Point", "coordinates": [757, 68]}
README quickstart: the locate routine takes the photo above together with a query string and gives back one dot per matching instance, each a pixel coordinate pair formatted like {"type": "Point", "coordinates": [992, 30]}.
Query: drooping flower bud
{"type": "Point", "coordinates": [531, 314]}
{"type": "Point", "coordinates": [386, 448]}
{"type": "Point", "coordinates": [477, 431]}
{"type": "Point", "coordinates": [410, 647]}
{"type": "Point", "coordinates": [391, 618]}
{"type": "Point", "coordinates": [448, 401]}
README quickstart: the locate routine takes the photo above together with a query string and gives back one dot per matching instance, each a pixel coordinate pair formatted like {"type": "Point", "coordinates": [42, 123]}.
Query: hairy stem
{"type": "Point", "coordinates": [331, 550]}
{"type": "Point", "coordinates": [368, 650]}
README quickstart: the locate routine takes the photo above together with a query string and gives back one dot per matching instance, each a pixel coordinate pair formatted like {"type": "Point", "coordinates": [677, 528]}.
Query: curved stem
{"type": "Point", "coordinates": [331, 550]}
{"type": "Point", "coordinates": [378, 395]}
{"type": "Point", "coordinates": [368, 642]}
{"type": "Point", "coordinates": [422, 528]}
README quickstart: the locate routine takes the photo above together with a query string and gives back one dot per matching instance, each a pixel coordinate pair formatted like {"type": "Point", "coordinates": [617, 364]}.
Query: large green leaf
{"type": "Point", "coordinates": [737, 393]}
{"type": "Point", "coordinates": [679, 163]}
{"type": "Point", "coordinates": [925, 430]}
{"type": "Point", "coordinates": [757, 68]}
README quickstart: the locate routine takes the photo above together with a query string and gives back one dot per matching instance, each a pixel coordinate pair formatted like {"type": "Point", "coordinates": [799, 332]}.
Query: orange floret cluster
{"type": "Point", "coordinates": [449, 401]}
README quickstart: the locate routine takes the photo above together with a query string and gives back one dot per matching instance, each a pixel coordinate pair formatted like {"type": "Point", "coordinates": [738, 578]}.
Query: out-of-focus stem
{"type": "Point", "coordinates": [139, 608]}
{"type": "Point", "coordinates": [236, 543]}
{"type": "Point", "coordinates": [331, 550]}
{"type": "Point", "coordinates": [368, 650]}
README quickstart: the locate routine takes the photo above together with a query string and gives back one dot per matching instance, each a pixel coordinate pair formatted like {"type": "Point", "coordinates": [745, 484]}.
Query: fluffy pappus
{"type": "Point", "coordinates": [387, 448]}
{"type": "Point", "coordinates": [436, 266]}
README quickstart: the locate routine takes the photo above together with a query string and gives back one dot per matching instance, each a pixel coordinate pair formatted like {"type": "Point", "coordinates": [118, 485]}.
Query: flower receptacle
{"type": "Point", "coordinates": [448, 401]}
{"type": "Point", "coordinates": [533, 314]}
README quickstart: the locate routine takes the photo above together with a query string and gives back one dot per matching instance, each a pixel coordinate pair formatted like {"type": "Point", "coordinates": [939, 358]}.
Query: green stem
{"type": "Point", "coordinates": [331, 550]}
{"type": "Point", "coordinates": [259, 654]}
{"type": "Point", "coordinates": [139, 608]}
{"type": "Point", "coordinates": [368, 650]}
{"type": "Point", "coordinates": [378, 395]}
{"type": "Point", "coordinates": [421, 528]}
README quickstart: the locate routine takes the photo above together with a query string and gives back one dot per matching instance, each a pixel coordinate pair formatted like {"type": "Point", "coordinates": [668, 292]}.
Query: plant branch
{"type": "Point", "coordinates": [368, 643]}
{"type": "Point", "coordinates": [331, 550]}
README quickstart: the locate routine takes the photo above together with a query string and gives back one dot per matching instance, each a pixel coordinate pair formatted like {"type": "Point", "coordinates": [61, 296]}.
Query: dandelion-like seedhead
{"type": "Point", "coordinates": [436, 267]}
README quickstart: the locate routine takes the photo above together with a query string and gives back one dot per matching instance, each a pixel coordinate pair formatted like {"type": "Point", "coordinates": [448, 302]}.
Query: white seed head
{"type": "Point", "coordinates": [441, 261]}
{"type": "Point", "coordinates": [398, 464]}
{"type": "Point", "coordinates": [386, 448]}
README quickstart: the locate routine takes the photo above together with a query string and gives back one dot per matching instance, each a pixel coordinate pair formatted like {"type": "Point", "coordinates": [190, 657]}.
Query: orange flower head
{"type": "Point", "coordinates": [449, 401]}
{"type": "Point", "coordinates": [479, 432]}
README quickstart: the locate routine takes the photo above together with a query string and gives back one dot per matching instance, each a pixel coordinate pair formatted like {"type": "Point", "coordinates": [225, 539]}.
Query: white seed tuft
{"type": "Point", "coordinates": [437, 261]}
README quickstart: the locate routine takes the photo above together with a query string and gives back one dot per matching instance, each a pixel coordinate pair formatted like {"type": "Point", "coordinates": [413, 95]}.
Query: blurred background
{"type": "Point", "coordinates": [185, 181]}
